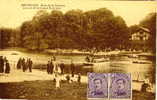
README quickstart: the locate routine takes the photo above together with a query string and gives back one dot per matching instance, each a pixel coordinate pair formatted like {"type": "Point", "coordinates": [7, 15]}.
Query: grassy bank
{"type": "Point", "coordinates": [45, 90]}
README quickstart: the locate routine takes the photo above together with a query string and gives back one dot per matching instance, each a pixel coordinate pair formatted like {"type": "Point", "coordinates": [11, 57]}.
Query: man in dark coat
{"type": "Point", "coordinates": [72, 69]}
{"type": "Point", "coordinates": [48, 67]}
{"type": "Point", "coordinates": [1, 64]}
{"type": "Point", "coordinates": [23, 65]}
{"type": "Point", "coordinates": [27, 64]}
{"type": "Point", "coordinates": [62, 67]}
{"type": "Point", "coordinates": [7, 69]}
{"type": "Point", "coordinates": [19, 64]}
{"type": "Point", "coordinates": [79, 78]}
{"type": "Point", "coordinates": [51, 67]}
{"type": "Point", "coordinates": [30, 63]}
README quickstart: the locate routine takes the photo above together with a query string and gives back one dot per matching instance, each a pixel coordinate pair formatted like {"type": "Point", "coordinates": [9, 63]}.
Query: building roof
{"type": "Point", "coordinates": [144, 29]}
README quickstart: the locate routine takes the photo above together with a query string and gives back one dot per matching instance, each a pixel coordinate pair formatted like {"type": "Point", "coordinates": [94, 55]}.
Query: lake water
{"type": "Point", "coordinates": [117, 64]}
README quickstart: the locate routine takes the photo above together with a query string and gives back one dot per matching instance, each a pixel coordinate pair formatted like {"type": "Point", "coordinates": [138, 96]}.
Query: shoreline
{"type": "Point", "coordinates": [38, 75]}
{"type": "Point", "coordinates": [74, 52]}
{"type": "Point", "coordinates": [45, 90]}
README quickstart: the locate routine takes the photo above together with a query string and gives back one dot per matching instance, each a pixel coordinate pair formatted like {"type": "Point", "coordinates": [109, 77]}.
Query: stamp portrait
{"type": "Point", "coordinates": [97, 85]}
{"type": "Point", "coordinates": [120, 85]}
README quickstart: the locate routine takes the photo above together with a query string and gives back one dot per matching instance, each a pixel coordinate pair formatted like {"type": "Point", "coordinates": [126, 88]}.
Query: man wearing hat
{"type": "Point", "coordinates": [1, 64]}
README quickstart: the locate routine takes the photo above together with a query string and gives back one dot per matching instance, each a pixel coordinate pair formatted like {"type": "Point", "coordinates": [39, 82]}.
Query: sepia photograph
{"type": "Point", "coordinates": [76, 50]}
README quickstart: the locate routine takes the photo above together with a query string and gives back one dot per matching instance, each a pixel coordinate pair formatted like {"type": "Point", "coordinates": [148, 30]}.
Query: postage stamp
{"type": "Point", "coordinates": [97, 85]}
{"type": "Point", "coordinates": [120, 86]}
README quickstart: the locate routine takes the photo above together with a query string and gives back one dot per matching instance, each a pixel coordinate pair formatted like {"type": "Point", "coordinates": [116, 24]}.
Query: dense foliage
{"type": "Point", "coordinates": [75, 29]}
{"type": "Point", "coordinates": [150, 23]}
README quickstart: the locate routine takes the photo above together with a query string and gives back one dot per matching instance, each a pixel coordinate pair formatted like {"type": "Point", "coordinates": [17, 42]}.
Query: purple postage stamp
{"type": "Point", "coordinates": [97, 85]}
{"type": "Point", "coordinates": [120, 86]}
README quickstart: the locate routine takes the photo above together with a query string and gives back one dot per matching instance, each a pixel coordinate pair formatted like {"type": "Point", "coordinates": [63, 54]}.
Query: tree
{"type": "Point", "coordinates": [75, 29]}
{"type": "Point", "coordinates": [5, 34]}
{"type": "Point", "coordinates": [14, 40]}
{"type": "Point", "coordinates": [27, 28]}
{"type": "Point", "coordinates": [106, 29]}
{"type": "Point", "coordinates": [35, 42]}
{"type": "Point", "coordinates": [74, 26]}
{"type": "Point", "coordinates": [150, 22]}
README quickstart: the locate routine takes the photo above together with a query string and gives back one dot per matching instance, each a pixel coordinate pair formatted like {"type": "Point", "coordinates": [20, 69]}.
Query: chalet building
{"type": "Point", "coordinates": [139, 39]}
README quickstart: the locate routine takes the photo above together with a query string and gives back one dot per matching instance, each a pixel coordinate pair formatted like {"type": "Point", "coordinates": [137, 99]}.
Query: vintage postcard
{"type": "Point", "coordinates": [77, 49]}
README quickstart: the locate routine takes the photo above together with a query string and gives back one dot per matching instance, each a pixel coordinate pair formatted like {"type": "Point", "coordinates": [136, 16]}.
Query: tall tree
{"type": "Point", "coordinates": [76, 29]}
{"type": "Point", "coordinates": [106, 29]}
{"type": "Point", "coordinates": [5, 34]}
{"type": "Point", "coordinates": [35, 41]}
{"type": "Point", "coordinates": [150, 22]}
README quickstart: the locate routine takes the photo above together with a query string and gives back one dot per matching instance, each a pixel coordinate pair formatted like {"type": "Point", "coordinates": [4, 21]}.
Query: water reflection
{"type": "Point", "coordinates": [139, 72]}
{"type": "Point", "coordinates": [118, 64]}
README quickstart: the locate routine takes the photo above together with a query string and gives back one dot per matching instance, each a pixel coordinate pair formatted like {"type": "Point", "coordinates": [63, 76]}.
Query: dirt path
{"type": "Point", "coordinates": [19, 76]}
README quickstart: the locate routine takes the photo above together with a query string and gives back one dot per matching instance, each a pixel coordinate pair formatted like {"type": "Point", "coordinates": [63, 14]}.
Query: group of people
{"type": "Point", "coordinates": [25, 64]}
{"type": "Point", "coordinates": [58, 70]}
{"type": "Point", "coordinates": [4, 65]}
{"type": "Point", "coordinates": [54, 67]}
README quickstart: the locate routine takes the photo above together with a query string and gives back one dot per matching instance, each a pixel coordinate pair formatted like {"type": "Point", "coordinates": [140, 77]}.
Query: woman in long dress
{"type": "Point", "coordinates": [57, 81]}
{"type": "Point", "coordinates": [7, 69]}
{"type": "Point", "coordinates": [57, 72]}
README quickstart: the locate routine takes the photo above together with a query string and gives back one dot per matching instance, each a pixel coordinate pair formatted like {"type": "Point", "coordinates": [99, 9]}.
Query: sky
{"type": "Point", "coordinates": [12, 14]}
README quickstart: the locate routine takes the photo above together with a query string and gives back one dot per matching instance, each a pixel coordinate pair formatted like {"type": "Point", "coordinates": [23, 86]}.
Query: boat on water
{"type": "Point", "coordinates": [90, 60]}
{"type": "Point", "coordinates": [88, 64]}
{"type": "Point", "coordinates": [144, 59]}
{"type": "Point", "coordinates": [142, 62]}
{"type": "Point", "coordinates": [103, 59]}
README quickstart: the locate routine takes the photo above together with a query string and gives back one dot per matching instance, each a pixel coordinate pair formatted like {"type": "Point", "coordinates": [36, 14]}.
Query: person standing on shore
{"type": "Point", "coordinates": [79, 78]}
{"type": "Point", "coordinates": [19, 64]}
{"type": "Point", "coordinates": [51, 67]}
{"type": "Point", "coordinates": [57, 69]}
{"type": "Point", "coordinates": [27, 64]}
{"type": "Point", "coordinates": [7, 69]}
{"type": "Point", "coordinates": [1, 64]}
{"type": "Point", "coordinates": [48, 67]}
{"type": "Point", "coordinates": [57, 78]}
{"type": "Point", "coordinates": [57, 73]}
{"type": "Point", "coordinates": [72, 68]}
{"type": "Point", "coordinates": [23, 65]}
{"type": "Point", "coordinates": [62, 67]}
{"type": "Point", "coordinates": [5, 59]}
{"type": "Point", "coordinates": [30, 63]}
